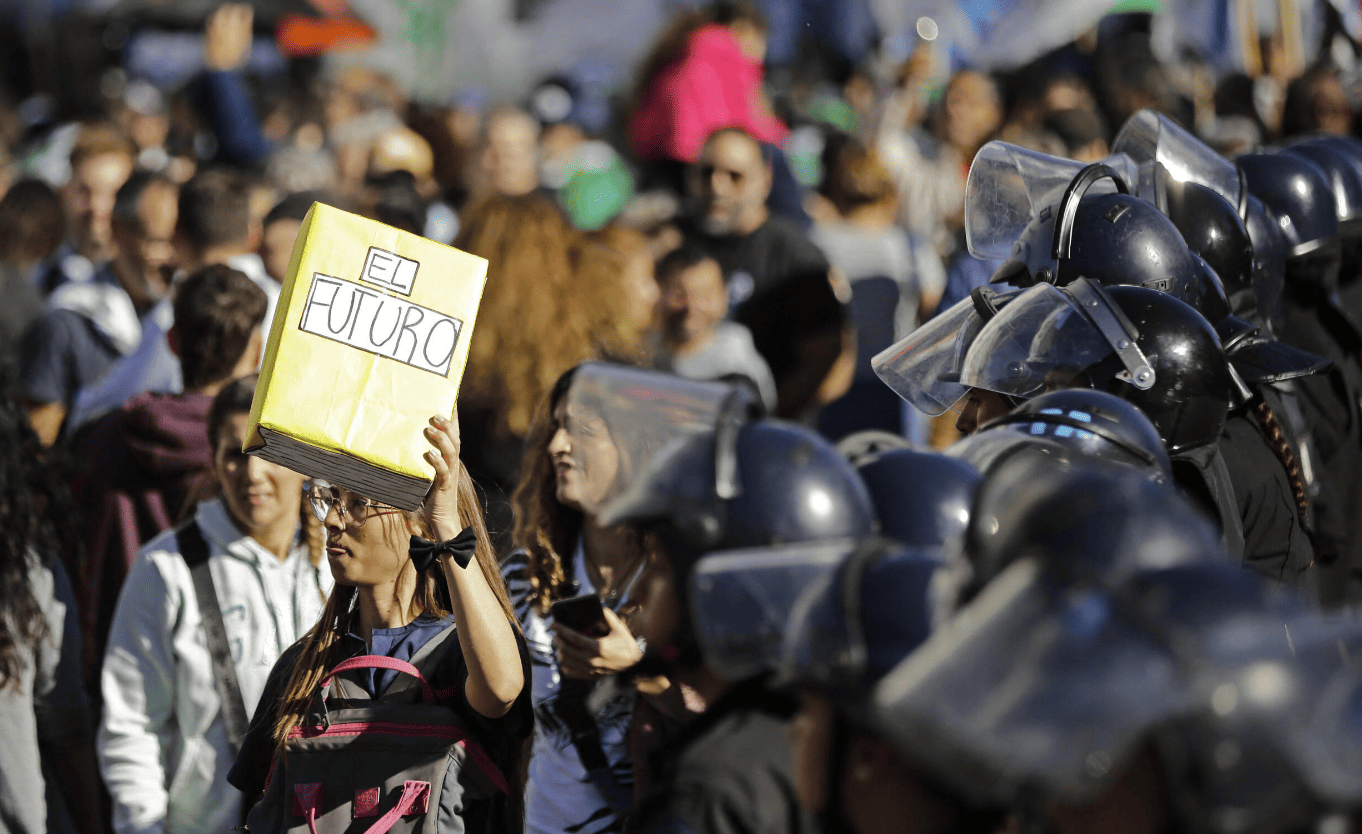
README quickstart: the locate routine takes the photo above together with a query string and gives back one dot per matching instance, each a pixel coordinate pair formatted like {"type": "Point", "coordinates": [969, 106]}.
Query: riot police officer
{"type": "Point", "coordinates": [741, 484]}
{"type": "Point", "coordinates": [847, 611]}
{"type": "Point", "coordinates": [1094, 229]}
{"type": "Point", "coordinates": [1160, 688]}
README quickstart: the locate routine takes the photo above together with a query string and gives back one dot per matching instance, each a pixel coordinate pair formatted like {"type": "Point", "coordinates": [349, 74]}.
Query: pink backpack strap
{"type": "Point", "coordinates": [415, 799]}
{"type": "Point", "coordinates": [375, 661]}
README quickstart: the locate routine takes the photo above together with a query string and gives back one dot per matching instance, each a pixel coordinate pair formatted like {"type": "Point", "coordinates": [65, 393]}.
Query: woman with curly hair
{"type": "Point", "coordinates": [614, 268]}
{"type": "Point", "coordinates": [42, 701]}
{"type": "Point", "coordinates": [533, 324]}
{"type": "Point", "coordinates": [581, 774]}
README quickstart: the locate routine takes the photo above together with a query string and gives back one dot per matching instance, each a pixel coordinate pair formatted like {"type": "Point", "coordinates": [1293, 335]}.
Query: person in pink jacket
{"type": "Point", "coordinates": [705, 73]}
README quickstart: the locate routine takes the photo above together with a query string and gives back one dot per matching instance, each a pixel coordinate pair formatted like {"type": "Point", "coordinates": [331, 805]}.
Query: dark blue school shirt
{"type": "Point", "coordinates": [400, 643]}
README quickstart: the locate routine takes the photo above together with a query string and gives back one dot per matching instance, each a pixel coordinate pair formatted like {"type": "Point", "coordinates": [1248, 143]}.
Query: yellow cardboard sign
{"type": "Point", "coordinates": [369, 341]}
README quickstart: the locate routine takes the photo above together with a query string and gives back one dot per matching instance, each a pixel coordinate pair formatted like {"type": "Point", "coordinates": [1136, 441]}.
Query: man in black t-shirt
{"type": "Point", "coordinates": [777, 279]}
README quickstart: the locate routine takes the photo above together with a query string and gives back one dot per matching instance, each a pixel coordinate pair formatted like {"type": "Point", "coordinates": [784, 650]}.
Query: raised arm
{"type": "Point", "coordinates": [495, 676]}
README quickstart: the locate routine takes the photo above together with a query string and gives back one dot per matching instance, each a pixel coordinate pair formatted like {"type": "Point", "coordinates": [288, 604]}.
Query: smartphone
{"type": "Point", "coordinates": [583, 614]}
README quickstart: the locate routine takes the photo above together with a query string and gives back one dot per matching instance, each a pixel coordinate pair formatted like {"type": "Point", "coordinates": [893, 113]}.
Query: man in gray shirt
{"type": "Point", "coordinates": [696, 340]}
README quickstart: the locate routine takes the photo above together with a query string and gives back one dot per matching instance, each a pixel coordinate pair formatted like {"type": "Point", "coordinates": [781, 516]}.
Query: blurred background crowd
{"type": "Point", "coordinates": [768, 191]}
{"type": "Point", "coordinates": [570, 143]}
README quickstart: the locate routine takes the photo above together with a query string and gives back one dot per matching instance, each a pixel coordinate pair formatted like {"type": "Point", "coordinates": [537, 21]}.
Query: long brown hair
{"type": "Point", "coordinates": [533, 323]}
{"type": "Point", "coordinates": [317, 656]}
{"type": "Point", "coordinates": [545, 528]}
{"type": "Point", "coordinates": [600, 261]}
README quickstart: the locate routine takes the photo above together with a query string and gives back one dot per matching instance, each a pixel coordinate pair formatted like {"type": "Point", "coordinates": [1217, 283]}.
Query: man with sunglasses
{"type": "Point", "coordinates": [179, 683]}
{"type": "Point", "coordinates": [778, 281]}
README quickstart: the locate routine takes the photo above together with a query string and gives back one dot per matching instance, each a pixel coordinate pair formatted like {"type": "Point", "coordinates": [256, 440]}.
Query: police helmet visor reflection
{"type": "Point", "coordinates": [853, 625]}
{"type": "Point", "coordinates": [1040, 342]}
{"type": "Point", "coordinates": [1031, 685]}
{"type": "Point", "coordinates": [924, 367]}
{"type": "Point", "coordinates": [1010, 187]}
{"type": "Point", "coordinates": [741, 601]}
{"type": "Point", "coordinates": [1153, 137]}
{"type": "Point", "coordinates": [619, 418]}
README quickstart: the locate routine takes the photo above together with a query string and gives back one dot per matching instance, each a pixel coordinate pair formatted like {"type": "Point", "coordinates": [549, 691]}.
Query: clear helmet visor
{"type": "Point", "coordinates": [1037, 344]}
{"type": "Point", "coordinates": [741, 601]}
{"type": "Point", "coordinates": [1030, 686]}
{"type": "Point", "coordinates": [1296, 691]}
{"type": "Point", "coordinates": [924, 367]}
{"type": "Point", "coordinates": [851, 626]}
{"type": "Point", "coordinates": [618, 418]}
{"type": "Point", "coordinates": [1010, 186]}
{"type": "Point", "coordinates": [1153, 137]}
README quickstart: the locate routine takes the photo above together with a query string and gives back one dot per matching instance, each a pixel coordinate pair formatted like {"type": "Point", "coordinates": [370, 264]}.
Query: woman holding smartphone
{"type": "Point", "coordinates": [573, 583]}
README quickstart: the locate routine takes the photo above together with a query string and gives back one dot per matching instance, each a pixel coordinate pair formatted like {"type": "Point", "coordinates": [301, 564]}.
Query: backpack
{"type": "Point", "coordinates": [402, 763]}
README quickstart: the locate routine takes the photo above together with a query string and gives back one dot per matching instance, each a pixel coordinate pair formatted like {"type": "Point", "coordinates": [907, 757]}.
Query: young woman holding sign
{"type": "Point", "coordinates": [419, 610]}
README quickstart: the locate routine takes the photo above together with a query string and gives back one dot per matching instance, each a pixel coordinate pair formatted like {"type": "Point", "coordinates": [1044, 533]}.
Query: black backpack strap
{"type": "Point", "coordinates": [194, 551]}
{"type": "Point", "coordinates": [426, 659]}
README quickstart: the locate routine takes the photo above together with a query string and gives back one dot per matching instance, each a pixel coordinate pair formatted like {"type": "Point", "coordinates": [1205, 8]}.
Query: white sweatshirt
{"type": "Point", "coordinates": [162, 742]}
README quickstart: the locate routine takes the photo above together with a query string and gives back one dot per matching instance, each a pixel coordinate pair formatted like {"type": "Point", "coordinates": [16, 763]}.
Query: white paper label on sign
{"type": "Point", "coordinates": [354, 315]}
{"type": "Point", "coordinates": [386, 269]}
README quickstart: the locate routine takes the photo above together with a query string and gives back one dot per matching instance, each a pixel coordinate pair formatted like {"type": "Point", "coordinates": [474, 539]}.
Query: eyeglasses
{"type": "Point", "coordinates": [322, 496]}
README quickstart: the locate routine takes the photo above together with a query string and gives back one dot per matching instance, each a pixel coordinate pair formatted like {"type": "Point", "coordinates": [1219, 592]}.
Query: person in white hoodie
{"type": "Point", "coordinates": [163, 743]}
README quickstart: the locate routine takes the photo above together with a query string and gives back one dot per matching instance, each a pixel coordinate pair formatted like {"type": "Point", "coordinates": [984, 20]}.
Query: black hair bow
{"type": "Point", "coordinates": [461, 547]}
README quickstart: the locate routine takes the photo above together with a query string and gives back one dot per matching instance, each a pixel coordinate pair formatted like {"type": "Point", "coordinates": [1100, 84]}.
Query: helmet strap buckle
{"type": "Point", "coordinates": [1119, 332]}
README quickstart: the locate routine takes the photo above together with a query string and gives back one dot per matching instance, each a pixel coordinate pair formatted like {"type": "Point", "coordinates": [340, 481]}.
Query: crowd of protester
{"type": "Point", "coordinates": [772, 233]}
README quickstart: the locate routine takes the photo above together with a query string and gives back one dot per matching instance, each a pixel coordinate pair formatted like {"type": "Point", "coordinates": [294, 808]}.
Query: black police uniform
{"type": "Point", "coordinates": [1204, 477]}
{"type": "Point", "coordinates": [1275, 542]}
{"type": "Point", "coordinates": [730, 772]}
{"type": "Point", "coordinates": [1330, 406]}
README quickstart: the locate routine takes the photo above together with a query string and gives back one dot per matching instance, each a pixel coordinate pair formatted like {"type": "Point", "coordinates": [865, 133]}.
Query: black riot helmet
{"type": "Point", "coordinates": [832, 615]}
{"type": "Point", "coordinates": [831, 618]}
{"type": "Point", "coordinates": [1212, 229]}
{"type": "Point", "coordinates": [1108, 237]}
{"type": "Point", "coordinates": [1145, 346]}
{"type": "Point", "coordinates": [922, 499]}
{"type": "Point", "coordinates": [1298, 195]}
{"type": "Point", "coordinates": [1253, 357]}
{"type": "Point", "coordinates": [1340, 158]}
{"type": "Point", "coordinates": [750, 484]}
{"type": "Point", "coordinates": [1091, 426]}
{"type": "Point", "coordinates": [1046, 685]}
{"type": "Point", "coordinates": [1269, 264]}
{"type": "Point", "coordinates": [1149, 137]}
{"type": "Point", "coordinates": [1345, 179]}
{"type": "Point", "coordinates": [1293, 727]}
{"type": "Point", "coordinates": [1193, 385]}
{"type": "Point", "coordinates": [1090, 521]}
